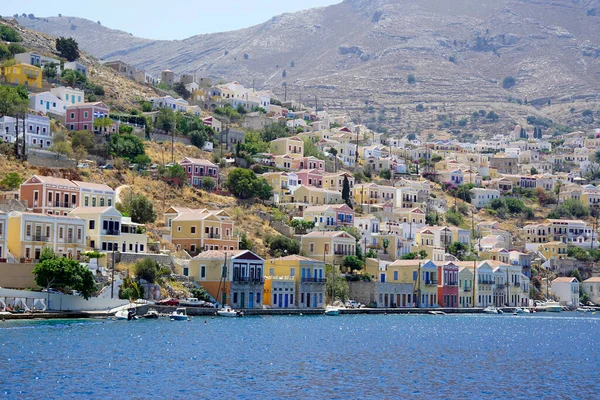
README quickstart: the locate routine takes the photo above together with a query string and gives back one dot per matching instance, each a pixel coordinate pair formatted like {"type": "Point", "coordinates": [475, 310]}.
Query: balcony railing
{"type": "Point", "coordinates": [466, 289]}
{"type": "Point", "coordinates": [40, 238]}
{"type": "Point", "coordinates": [213, 236]}
{"type": "Point", "coordinates": [500, 286]}
{"type": "Point", "coordinates": [431, 282]}
{"type": "Point", "coordinates": [314, 280]}
{"type": "Point", "coordinates": [58, 204]}
{"type": "Point", "coordinates": [245, 279]}
{"type": "Point", "coordinates": [452, 283]}
{"type": "Point", "coordinates": [342, 253]}
{"type": "Point", "coordinates": [112, 232]}
{"type": "Point", "coordinates": [69, 240]}
{"type": "Point", "coordinates": [485, 282]}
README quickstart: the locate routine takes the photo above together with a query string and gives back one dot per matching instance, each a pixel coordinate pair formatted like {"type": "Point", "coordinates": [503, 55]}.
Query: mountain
{"type": "Point", "coordinates": [361, 50]}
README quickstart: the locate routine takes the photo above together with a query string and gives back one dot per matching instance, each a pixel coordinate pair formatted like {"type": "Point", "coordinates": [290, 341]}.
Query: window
{"type": "Point", "coordinates": [85, 114]}
{"type": "Point", "coordinates": [85, 126]}
{"type": "Point", "coordinates": [193, 230]}
{"type": "Point", "coordinates": [258, 297]}
{"type": "Point", "coordinates": [93, 202]}
{"type": "Point", "coordinates": [86, 201]}
{"type": "Point", "coordinates": [109, 202]}
{"type": "Point", "coordinates": [60, 233]}
{"type": "Point", "coordinates": [292, 272]}
{"type": "Point", "coordinates": [395, 275]}
{"type": "Point", "coordinates": [193, 248]}
{"type": "Point", "coordinates": [178, 229]}
{"type": "Point", "coordinates": [235, 297]}
{"type": "Point", "coordinates": [101, 201]}
{"type": "Point", "coordinates": [72, 117]}
{"type": "Point", "coordinates": [28, 230]}
{"type": "Point", "coordinates": [203, 272]}
{"type": "Point", "coordinates": [92, 224]}
{"type": "Point", "coordinates": [186, 271]}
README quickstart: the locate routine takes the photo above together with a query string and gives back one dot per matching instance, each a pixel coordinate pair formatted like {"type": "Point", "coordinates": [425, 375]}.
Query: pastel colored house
{"type": "Point", "coordinates": [567, 291]}
{"type": "Point", "coordinates": [481, 197]}
{"type": "Point", "coordinates": [108, 230]}
{"type": "Point", "coordinates": [34, 58]}
{"type": "Point", "coordinates": [23, 74]}
{"type": "Point", "coordinates": [30, 233]}
{"type": "Point", "coordinates": [36, 128]}
{"type": "Point", "coordinates": [169, 102]}
{"type": "Point", "coordinates": [308, 275]}
{"type": "Point", "coordinates": [283, 183]}
{"type": "Point", "coordinates": [47, 102]}
{"type": "Point", "coordinates": [330, 247]}
{"type": "Point", "coordinates": [485, 285]}
{"type": "Point", "coordinates": [68, 94]}
{"type": "Point", "coordinates": [232, 277]}
{"type": "Point", "coordinates": [197, 169]}
{"type": "Point", "coordinates": [591, 286]}
{"type": "Point", "coordinates": [292, 146]}
{"type": "Point", "coordinates": [308, 195]}
{"type": "Point", "coordinates": [329, 216]}
{"type": "Point", "coordinates": [95, 194]}
{"type": "Point", "coordinates": [310, 177]}
{"type": "Point", "coordinates": [465, 287]}
{"type": "Point", "coordinates": [448, 285]}
{"type": "Point", "coordinates": [335, 181]}
{"type": "Point", "coordinates": [81, 116]}
{"type": "Point", "coordinates": [49, 195]}
{"type": "Point", "coordinates": [308, 163]}
{"type": "Point", "coordinates": [74, 65]}
{"type": "Point", "coordinates": [200, 230]}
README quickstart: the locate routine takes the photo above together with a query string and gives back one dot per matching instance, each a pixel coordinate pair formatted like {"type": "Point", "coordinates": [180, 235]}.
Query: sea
{"type": "Point", "coordinates": [538, 356]}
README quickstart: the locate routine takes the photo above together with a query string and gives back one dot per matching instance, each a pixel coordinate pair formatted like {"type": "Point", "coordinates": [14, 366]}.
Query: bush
{"type": "Point", "coordinates": [570, 209]}
{"type": "Point", "coordinates": [146, 269]}
{"type": "Point", "coordinates": [68, 48]}
{"type": "Point", "coordinates": [453, 217]}
{"type": "Point", "coordinates": [508, 82]}
{"type": "Point", "coordinates": [280, 245]}
{"type": "Point", "coordinates": [8, 34]}
{"type": "Point", "coordinates": [411, 79]}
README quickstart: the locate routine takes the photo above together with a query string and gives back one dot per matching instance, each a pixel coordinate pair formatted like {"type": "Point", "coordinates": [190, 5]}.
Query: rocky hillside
{"type": "Point", "coordinates": [120, 93]}
{"type": "Point", "coordinates": [365, 49]}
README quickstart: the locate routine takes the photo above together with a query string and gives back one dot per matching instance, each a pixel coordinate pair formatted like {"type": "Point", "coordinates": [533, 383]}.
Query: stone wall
{"type": "Point", "coordinates": [131, 258]}
{"type": "Point", "coordinates": [363, 292]}
{"type": "Point", "coordinates": [61, 302]}
{"type": "Point", "coordinates": [161, 137]}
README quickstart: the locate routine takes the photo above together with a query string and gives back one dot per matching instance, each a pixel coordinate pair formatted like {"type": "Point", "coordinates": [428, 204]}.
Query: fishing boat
{"type": "Point", "coordinates": [437, 313]}
{"type": "Point", "coordinates": [332, 310]}
{"type": "Point", "coordinates": [227, 311]}
{"type": "Point", "coordinates": [180, 314]}
{"type": "Point", "coordinates": [151, 314]}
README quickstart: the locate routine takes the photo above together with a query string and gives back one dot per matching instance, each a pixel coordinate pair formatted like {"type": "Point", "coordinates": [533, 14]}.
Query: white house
{"type": "Point", "coordinates": [74, 65]}
{"type": "Point", "coordinates": [590, 286]}
{"type": "Point", "coordinates": [480, 197]}
{"type": "Point", "coordinates": [47, 102]}
{"type": "Point", "coordinates": [169, 102]}
{"type": "Point", "coordinates": [567, 290]}
{"type": "Point", "coordinates": [37, 130]}
{"type": "Point", "coordinates": [68, 94]}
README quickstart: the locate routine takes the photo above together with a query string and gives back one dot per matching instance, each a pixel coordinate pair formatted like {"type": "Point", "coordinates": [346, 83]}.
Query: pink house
{"type": "Point", "coordinates": [310, 177]}
{"type": "Point", "coordinates": [197, 169]}
{"type": "Point", "coordinates": [80, 117]}
{"type": "Point", "coordinates": [448, 285]}
{"type": "Point", "coordinates": [309, 163]}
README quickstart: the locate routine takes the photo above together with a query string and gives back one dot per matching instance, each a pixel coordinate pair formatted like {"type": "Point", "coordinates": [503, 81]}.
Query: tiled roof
{"type": "Point", "coordinates": [218, 254]}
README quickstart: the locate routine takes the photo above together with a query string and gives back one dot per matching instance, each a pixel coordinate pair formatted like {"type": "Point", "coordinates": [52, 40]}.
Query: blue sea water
{"type": "Point", "coordinates": [548, 356]}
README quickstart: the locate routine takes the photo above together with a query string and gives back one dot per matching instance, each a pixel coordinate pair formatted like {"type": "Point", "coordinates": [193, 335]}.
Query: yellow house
{"type": "Point", "coordinates": [23, 74]}
{"type": "Point", "coordinates": [233, 277]}
{"type": "Point", "coordinates": [314, 196]}
{"type": "Point", "coordinates": [292, 146]}
{"type": "Point", "coordinates": [329, 247]}
{"type": "Point", "coordinates": [422, 274]}
{"type": "Point", "coordinates": [195, 232]}
{"type": "Point", "coordinates": [553, 250]}
{"type": "Point", "coordinates": [282, 184]}
{"type": "Point", "coordinates": [308, 278]}
{"type": "Point", "coordinates": [30, 233]}
{"type": "Point", "coordinates": [335, 181]}
{"type": "Point", "coordinates": [465, 285]}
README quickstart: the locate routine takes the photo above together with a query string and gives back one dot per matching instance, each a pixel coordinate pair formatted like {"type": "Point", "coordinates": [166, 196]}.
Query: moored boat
{"type": "Point", "coordinates": [491, 310]}
{"type": "Point", "coordinates": [125, 314]}
{"type": "Point", "coordinates": [332, 310]}
{"type": "Point", "coordinates": [180, 314]}
{"type": "Point", "coordinates": [227, 311]}
{"type": "Point", "coordinates": [549, 306]}
{"type": "Point", "coordinates": [151, 314]}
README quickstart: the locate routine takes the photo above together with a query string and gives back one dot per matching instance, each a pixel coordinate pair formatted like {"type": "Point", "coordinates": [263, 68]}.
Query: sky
{"type": "Point", "coordinates": [156, 19]}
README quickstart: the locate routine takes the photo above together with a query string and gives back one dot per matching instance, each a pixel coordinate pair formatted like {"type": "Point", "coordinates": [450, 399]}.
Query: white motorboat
{"type": "Point", "coordinates": [227, 311]}
{"type": "Point", "coordinates": [582, 309]}
{"type": "Point", "coordinates": [125, 314]}
{"type": "Point", "coordinates": [437, 313]}
{"type": "Point", "coordinates": [520, 310]}
{"type": "Point", "coordinates": [549, 306]}
{"type": "Point", "coordinates": [491, 310]}
{"type": "Point", "coordinates": [191, 302]}
{"type": "Point", "coordinates": [332, 310]}
{"type": "Point", "coordinates": [151, 314]}
{"type": "Point", "coordinates": [180, 314]}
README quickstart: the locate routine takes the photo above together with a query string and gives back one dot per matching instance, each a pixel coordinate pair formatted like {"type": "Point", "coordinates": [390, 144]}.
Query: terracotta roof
{"type": "Point", "coordinates": [295, 257]}
{"type": "Point", "coordinates": [326, 234]}
{"type": "Point", "coordinates": [54, 181]}
{"type": "Point", "coordinates": [91, 210]}
{"type": "Point", "coordinates": [594, 279]}
{"type": "Point", "coordinates": [96, 186]}
{"type": "Point", "coordinates": [198, 161]}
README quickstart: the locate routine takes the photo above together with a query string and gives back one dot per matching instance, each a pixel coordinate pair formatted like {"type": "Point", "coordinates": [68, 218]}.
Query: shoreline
{"type": "Point", "coordinates": [209, 312]}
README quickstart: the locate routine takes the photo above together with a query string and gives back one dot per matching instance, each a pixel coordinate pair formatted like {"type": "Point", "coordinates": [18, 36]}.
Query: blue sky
{"type": "Point", "coordinates": [165, 19]}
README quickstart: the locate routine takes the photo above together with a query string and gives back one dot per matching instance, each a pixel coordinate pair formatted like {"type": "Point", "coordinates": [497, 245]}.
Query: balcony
{"type": "Point", "coordinates": [431, 282]}
{"type": "Point", "coordinates": [212, 236]}
{"type": "Point", "coordinates": [245, 279]}
{"type": "Point", "coordinates": [485, 282]}
{"type": "Point", "coordinates": [500, 286]}
{"type": "Point", "coordinates": [58, 204]}
{"type": "Point", "coordinates": [343, 253]}
{"type": "Point", "coordinates": [452, 283]}
{"type": "Point", "coordinates": [68, 240]}
{"type": "Point", "coordinates": [40, 238]}
{"type": "Point", "coordinates": [466, 289]}
{"type": "Point", "coordinates": [314, 280]}
{"type": "Point", "coordinates": [111, 232]}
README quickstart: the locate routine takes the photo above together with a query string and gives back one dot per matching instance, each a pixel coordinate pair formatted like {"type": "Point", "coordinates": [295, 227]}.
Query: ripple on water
{"type": "Point", "coordinates": [351, 356]}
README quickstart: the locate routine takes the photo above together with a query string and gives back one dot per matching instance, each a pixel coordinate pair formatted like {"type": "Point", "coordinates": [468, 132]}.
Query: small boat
{"type": "Point", "coordinates": [125, 315]}
{"type": "Point", "coordinates": [582, 309]}
{"type": "Point", "coordinates": [191, 302]}
{"type": "Point", "coordinates": [437, 313]}
{"type": "Point", "coordinates": [180, 314]}
{"type": "Point", "coordinates": [227, 311]}
{"type": "Point", "coordinates": [549, 306]}
{"type": "Point", "coordinates": [332, 310]}
{"type": "Point", "coordinates": [491, 310]}
{"type": "Point", "coordinates": [151, 314]}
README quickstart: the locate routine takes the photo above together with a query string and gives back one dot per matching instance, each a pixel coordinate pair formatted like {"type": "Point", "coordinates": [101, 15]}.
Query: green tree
{"type": "Point", "coordinates": [126, 146]}
{"type": "Point", "coordinates": [146, 269]}
{"type": "Point", "coordinates": [435, 158]}
{"type": "Point", "coordinates": [280, 245]}
{"type": "Point", "coordinates": [146, 106]}
{"type": "Point", "coordinates": [273, 131]}
{"type": "Point", "coordinates": [142, 160]}
{"type": "Point", "coordinates": [198, 138]}
{"type": "Point", "coordinates": [570, 209]}
{"type": "Point", "coordinates": [245, 243]}
{"type": "Point", "coordinates": [385, 243]}
{"type": "Point", "coordinates": [8, 34]}
{"type": "Point", "coordinates": [67, 48]}
{"type": "Point", "coordinates": [453, 217]}
{"type": "Point", "coordinates": [244, 184]}
{"type": "Point", "coordinates": [576, 274]}
{"type": "Point", "coordinates": [208, 183]}
{"type": "Point", "coordinates": [385, 174]}
{"type": "Point", "coordinates": [141, 210]}
{"type": "Point", "coordinates": [165, 119]}
{"type": "Point", "coordinates": [336, 284]}
{"type": "Point", "coordinates": [60, 145]}
{"type": "Point", "coordinates": [458, 250]}
{"type": "Point", "coordinates": [12, 101]}
{"type": "Point", "coordinates": [411, 79]}
{"type": "Point", "coordinates": [492, 116]}
{"type": "Point", "coordinates": [103, 124]}
{"type": "Point", "coordinates": [62, 273]}
{"type": "Point", "coordinates": [352, 263]}
{"type": "Point", "coordinates": [508, 82]}
{"type": "Point", "coordinates": [83, 138]}
{"type": "Point", "coordinates": [11, 181]}
{"type": "Point", "coordinates": [47, 254]}
{"type": "Point", "coordinates": [578, 253]}
{"type": "Point", "coordinates": [301, 226]}
{"type": "Point", "coordinates": [346, 191]}
{"type": "Point", "coordinates": [49, 71]}
{"type": "Point", "coordinates": [181, 90]}
{"type": "Point", "coordinates": [174, 174]}
{"type": "Point", "coordinates": [421, 254]}
{"type": "Point", "coordinates": [71, 77]}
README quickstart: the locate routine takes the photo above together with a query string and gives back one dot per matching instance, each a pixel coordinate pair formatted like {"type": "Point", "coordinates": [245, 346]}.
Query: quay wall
{"type": "Point", "coordinates": [59, 302]}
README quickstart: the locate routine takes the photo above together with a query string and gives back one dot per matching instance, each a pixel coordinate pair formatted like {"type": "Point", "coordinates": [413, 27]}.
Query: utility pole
{"type": "Point", "coordinates": [112, 283]}
{"type": "Point", "coordinates": [24, 138]}
{"type": "Point", "coordinates": [17, 135]}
